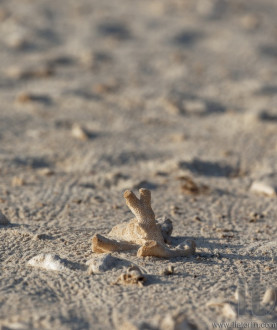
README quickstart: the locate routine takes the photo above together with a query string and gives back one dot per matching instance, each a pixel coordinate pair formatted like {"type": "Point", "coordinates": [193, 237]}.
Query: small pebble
{"type": "Point", "coordinates": [264, 187]}
{"type": "Point", "coordinates": [168, 271]}
{"type": "Point", "coordinates": [133, 276]}
{"type": "Point", "coordinates": [195, 107]}
{"type": "Point", "coordinates": [29, 73]}
{"type": "Point", "coordinates": [46, 171]}
{"type": "Point", "coordinates": [79, 132]}
{"type": "Point", "coordinates": [270, 296]}
{"type": "Point", "coordinates": [229, 311]}
{"type": "Point", "coordinates": [177, 321]}
{"type": "Point", "coordinates": [250, 22]}
{"type": "Point", "coordinates": [17, 181]}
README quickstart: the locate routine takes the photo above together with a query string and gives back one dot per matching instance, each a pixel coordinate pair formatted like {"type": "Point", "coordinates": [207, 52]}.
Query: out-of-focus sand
{"type": "Point", "coordinates": [161, 89]}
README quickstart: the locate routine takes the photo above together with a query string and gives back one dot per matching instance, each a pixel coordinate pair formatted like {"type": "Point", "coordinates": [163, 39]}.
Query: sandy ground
{"type": "Point", "coordinates": [158, 90]}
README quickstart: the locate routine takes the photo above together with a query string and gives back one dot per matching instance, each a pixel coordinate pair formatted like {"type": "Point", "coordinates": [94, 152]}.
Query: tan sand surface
{"type": "Point", "coordinates": [179, 97]}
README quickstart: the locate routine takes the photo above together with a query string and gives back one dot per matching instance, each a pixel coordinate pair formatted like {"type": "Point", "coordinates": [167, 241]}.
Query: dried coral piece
{"type": "Point", "coordinates": [47, 261]}
{"type": "Point", "coordinates": [133, 276]}
{"type": "Point", "coordinates": [143, 232]}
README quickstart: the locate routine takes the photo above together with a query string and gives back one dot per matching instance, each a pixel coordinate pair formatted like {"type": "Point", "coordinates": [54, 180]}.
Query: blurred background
{"type": "Point", "coordinates": [122, 91]}
{"type": "Point", "coordinates": [99, 96]}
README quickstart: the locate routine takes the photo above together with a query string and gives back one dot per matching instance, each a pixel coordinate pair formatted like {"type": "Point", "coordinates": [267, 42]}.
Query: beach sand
{"type": "Point", "coordinates": [175, 96]}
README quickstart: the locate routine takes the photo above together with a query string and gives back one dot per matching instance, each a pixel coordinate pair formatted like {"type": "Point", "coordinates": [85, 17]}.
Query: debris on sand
{"type": "Point", "coordinates": [46, 171]}
{"type": "Point", "coordinates": [47, 261]}
{"type": "Point", "coordinates": [142, 233]}
{"type": "Point", "coordinates": [265, 186]}
{"type": "Point", "coordinates": [196, 107]}
{"type": "Point", "coordinates": [189, 186]}
{"type": "Point", "coordinates": [26, 97]}
{"type": "Point", "coordinates": [227, 309]}
{"type": "Point", "coordinates": [105, 262]}
{"type": "Point", "coordinates": [40, 71]}
{"type": "Point", "coordinates": [133, 275]}
{"type": "Point", "coordinates": [17, 181]}
{"type": "Point", "coordinates": [79, 132]}
{"type": "Point", "coordinates": [176, 321]}
{"type": "Point", "coordinates": [3, 220]}
{"type": "Point", "coordinates": [168, 271]}
{"type": "Point", "coordinates": [270, 296]}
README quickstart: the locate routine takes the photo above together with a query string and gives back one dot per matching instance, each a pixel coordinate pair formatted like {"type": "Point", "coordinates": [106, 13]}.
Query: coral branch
{"type": "Point", "coordinates": [141, 208]}
{"type": "Point", "coordinates": [143, 233]}
{"type": "Point", "coordinates": [155, 249]}
{"type": "Point", "coordinates": [102, 244]}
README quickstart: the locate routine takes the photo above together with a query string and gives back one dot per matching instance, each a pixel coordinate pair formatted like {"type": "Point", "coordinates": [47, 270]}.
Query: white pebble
{"type": "Point", "coordinates": [270, 296]}
{"type": "Point", "coordinates": [196, 107]}
{"type": "Point", "coordinates": [176, 322]}
{"type": "Point", "coordinates": [229, 311]}
{"type": "Point", "coordinates": [47, 261]}
{"type": "Point", "coordinates": [239, 295]}
{"type": "Point", "coordinates": [79, 132]}
{"type": "Point", "coordinates": [264, 187]}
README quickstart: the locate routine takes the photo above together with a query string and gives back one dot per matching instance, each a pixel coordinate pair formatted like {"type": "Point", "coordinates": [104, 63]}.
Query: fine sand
{"type": "Point", "coordinates": [101, 96]}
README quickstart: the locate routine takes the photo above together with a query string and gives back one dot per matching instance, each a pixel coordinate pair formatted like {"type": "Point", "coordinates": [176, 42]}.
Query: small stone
{"type": "Point", "coordinates": [254, 216]}
{"type": "Point", "coordinates": [133, 276]}
{"type": "Point", "coordinates": [227, 308]}
{"type": "Point", "coordinates": [239, 295]}
{"type": "Point", "coordinates": [195, 107]}
{"type": "Point", "coordinates": [176, 321]}
{"type": "Point", "coordinates": [172, 106]}
{"type": "Point", "coordinates": [105, 88]}
{"type": "Point", "coordinates": [79, 132]}
{"type": "Point", "coordinates": [27, 97]}
{"type": "Point", "coordinates": [46, 171]}
{"type": "Point", "coordinates": [189, 187]}
{"type": "Point", "coordinates": [178, 137]}
{"type": "Point", "coordinates": [24, 98]}
{"type": "Point", "coordinates": [229, 311]}
{"type": "Point", "coordinates": [29, 73]}
{"type": "Point", "coordinates": [3, 220]}
{"type": "Point", "coordinates": [168, 271]}
{"type": "Point", "coordinates": [270, 296]}
{"type": "Point", "coordinates": [264, 187]}
{"type": "Point", "coordinates": [17, 181]}
{"type": "Point", "coordinates": [250, 22]}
